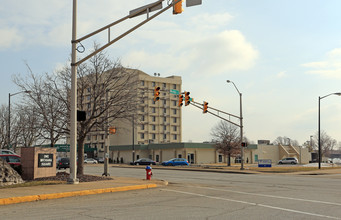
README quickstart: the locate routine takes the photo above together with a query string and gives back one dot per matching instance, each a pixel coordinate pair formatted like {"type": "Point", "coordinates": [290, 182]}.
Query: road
{"type": "Point", "coordinates": [198, 195]}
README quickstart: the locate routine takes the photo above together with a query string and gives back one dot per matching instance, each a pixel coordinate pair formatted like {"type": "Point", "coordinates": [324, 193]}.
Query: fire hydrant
{"type": "Point", "coordinates": [148, 173]}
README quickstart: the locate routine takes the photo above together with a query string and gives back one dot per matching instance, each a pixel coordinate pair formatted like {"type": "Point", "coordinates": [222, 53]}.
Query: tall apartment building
{"type": "Point", "coordinates": [154, 122]}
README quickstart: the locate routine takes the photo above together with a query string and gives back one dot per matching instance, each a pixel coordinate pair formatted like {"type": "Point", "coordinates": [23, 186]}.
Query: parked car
{"type": "Point", "coordinates": [13, 160]}
{"type": "Point", "coordinates": [288, 160]}
{"type": "Point", "coordinates": [175, 162]}
{"type": "Point", "coordinates": [3, 151]}
{"type": "Point", "coordinates": [143, 161]}
{"type": "Point", "coordinates": [63, 162]}
{"type": "Point", "coordinates": [100, 160]}
{"type": "Point", "coordinates": [90, 160]}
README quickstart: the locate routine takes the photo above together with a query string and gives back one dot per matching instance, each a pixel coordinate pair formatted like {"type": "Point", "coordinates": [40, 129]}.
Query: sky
{"type": "Point", "coordinates": [281, 55]}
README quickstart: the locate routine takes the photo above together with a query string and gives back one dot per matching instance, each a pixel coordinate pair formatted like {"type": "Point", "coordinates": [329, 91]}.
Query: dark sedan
{"type": "Point", "coordinates": [143, 161]}
{"type": "Point", "coordinates": [63, 163]}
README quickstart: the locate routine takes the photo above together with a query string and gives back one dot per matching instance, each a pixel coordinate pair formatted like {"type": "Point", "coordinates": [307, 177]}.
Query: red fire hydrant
{"type": "Point", "coordinates": [148, 172]}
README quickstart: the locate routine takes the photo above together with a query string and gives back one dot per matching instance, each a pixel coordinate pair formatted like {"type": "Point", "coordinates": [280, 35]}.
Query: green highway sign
{"type": "Point", "coordinates": [174, 91]}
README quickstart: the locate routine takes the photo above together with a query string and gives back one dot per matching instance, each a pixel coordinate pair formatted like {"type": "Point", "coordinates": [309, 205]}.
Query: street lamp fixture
{"type": "Point", "coordinates": [9, 116]}
{"type": "Point", "coordinates": [319, 124]}
{"type": "Point", "coordinates": [241, 126]}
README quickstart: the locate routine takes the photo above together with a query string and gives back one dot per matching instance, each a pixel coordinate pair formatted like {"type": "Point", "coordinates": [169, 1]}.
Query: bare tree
{"type": "Point", "coordinates": [327, 143]}
{"type": "Point", "coordinates": [29, 130]}
{"type": "Point", "coordinates": [286, 141]}
{"type": "Point", "coordinates": [106, 91]}
{"type": "Point", "coordinates": [48, 109]}
{"type": "Point", "coordinates": [227, 139]}
{"type": "Point", "coordinates": [3, 125]}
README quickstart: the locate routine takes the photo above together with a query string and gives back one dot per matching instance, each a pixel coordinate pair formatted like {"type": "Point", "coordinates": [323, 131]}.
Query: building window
{"type": "Point", "coordinates": [174, 111]}
{"type": "Point", "coordinates": [153, 127]}
{"type": "Point", "coordinates": [142, 127]}
{"type": "Point", "coordinates": [88, 97]}
{"type": "Point", "coordinates": [102, 136]}
{"type": "Point", "coordinates": [89, 105]}
{"type": "Point", "coordinates": [157, 158]}
{"type": "Point", "coordinates": [174, 103]}
{"type": "Point", "coordinates": [153, 118]}
{"type": "Point", "coordinates": [175, 137]}
{"type": "Point", "coordinates": [153, 136]}
{"type": "Point", "coordinates": [164, 102]}
{"type": "Point", "coordinates": [165, 136]}
{"type": "Point", "coordinates": [153, 84]}
{"type": "Point", "coordinates": [142, 109]}
{"type": "Point", "coordinates": [88, 137]}
{"type": "Point", "coordinates": [142, 83]}
{"type": "Point", "coordinates": [165, 111]}
{"type": "Point", "coordinates": [153, 110]}
{"type": "Point", "coordinates": [164, 127]}
{"type": "Point", "coordinates": [164, 85]}
{"type": "Point", "coordinates": [142, 118]}
{"type": "Point", "coordinates": [220, 158]}
{"type": "Point", "coordinates": [142, 101]}
{"type": "Point", "coordinates": [89, 89]}
{"type": "Point", "coordinates": [174, 128]}
{"type": "Point", "coordinates": [174, 86]}
{"type": "Point", "coordinates": [142, 135]}
{"type": "Point", "coordinates": [174, 120]}
{"type": "Point", "coordinates": [164, 119]}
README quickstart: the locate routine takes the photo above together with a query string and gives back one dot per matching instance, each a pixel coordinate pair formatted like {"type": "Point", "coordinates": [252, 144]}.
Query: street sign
{"type": "Point", "coordinates": [174, 91]}
{"type": "Point", "coordinates": [190, 3]}
{"type": "Point", "coordinates": [264, 163]}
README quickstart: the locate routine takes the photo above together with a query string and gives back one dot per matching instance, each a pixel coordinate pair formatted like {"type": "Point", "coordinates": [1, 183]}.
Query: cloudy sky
{"type": "Point", "coordinates": [282, 55]}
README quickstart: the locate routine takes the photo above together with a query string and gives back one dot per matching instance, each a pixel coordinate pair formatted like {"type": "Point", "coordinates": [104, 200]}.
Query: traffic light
{"type": "Point", "coordinates": [177, 7]}
{"type": "Point", "coordinates": [205, 107]}
{"type": "Point", "coordinates": [156, 93]}
{"type": "Point", "coordinates": [187, 101]}
{"type": "Point", "coordinates": [181, 99]}
{"type": "Point", "coordinates": [244, 144]}
{"type": "Point", "coordinates": [112, 130]}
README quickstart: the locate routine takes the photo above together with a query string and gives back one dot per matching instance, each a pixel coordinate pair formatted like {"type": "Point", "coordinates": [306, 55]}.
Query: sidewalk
{"type": "Point", "coordinates": [44, 192]}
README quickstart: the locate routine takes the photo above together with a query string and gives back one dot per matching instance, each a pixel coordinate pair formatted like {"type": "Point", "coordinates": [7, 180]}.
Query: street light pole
{"type": "Point", "coordinates": [319, 125]}
{"type": "Point", "coordinates": [9, 117]}
{"type": "Point", "coordinates": [241, 125]}
{"type": "Point", "coordinates": [73, 127]}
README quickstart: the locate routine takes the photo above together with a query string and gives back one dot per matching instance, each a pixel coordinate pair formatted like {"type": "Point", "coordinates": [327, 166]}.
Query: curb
{"type": "Point", "coordinates": [14, 200]}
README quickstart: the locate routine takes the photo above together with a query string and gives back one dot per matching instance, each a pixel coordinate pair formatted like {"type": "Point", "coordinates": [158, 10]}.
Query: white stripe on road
{"type": "Point", "coordinates": [271, 196]}
{"type": "Point", "coordinates": [253, 204]}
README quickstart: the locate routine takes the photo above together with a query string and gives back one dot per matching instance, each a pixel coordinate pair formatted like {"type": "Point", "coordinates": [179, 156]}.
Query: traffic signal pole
{"type": "Point", "coordinates": [74, 64]}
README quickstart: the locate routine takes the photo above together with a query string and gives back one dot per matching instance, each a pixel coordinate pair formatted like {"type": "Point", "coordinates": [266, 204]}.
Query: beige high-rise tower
{"type": "Point", "coordinates": [154, 122]}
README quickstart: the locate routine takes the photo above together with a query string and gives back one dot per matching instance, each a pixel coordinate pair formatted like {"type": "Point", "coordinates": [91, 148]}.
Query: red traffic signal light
{"type": "Point", "coordinates": [112, 130]}
{"type": "Point", "coordinates": [181, 99]}
{"type": "Point", "coordinates": [177, 7]}
{"type": "Point", "coordinates": [187, 98]}
{"type": "Point", "coordinates": [156, 93]}
{"type": "Point", "coordinates": [205, 107]}
{"type": "Point", "coordinates": [244, 144]}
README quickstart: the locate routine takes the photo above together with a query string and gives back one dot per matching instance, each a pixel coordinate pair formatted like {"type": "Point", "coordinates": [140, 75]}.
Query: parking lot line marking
{"type": "Point", "coordinates": [253, 204]}
{"type": "Point", "coordinates": [271, 196]}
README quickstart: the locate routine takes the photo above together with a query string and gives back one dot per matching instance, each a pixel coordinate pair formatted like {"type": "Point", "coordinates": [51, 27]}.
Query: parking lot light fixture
{"type": "Point", "coordinates": [319, 125]}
